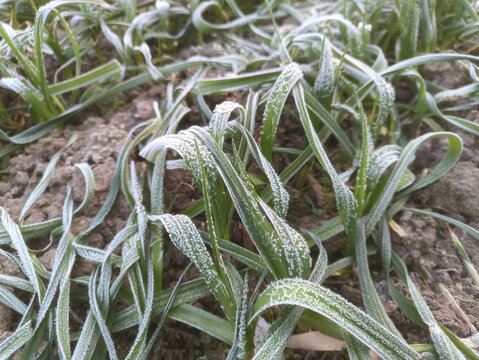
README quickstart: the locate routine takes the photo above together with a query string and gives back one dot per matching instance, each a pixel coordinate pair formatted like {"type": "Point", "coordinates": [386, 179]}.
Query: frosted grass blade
{"type": "Point", "coordinates": [47, 175]}
{"type": "Point", "coordinates": [369, 294]}
{"type": "Point", "coordinates": [276, 338]}
{"type": "Point", "coordinates": [274, 105]}
{"type": "Point", "coordinates": [18, 243]}
{"type": "Point", "coordinates": [345, 200]}
{"type": "Point", "coordinates": [15, 341]}
{"type": "Point", "coordinates": [321, 300]}
{"type": "Point", "coordinates": [407, 156]}
{"type": "Point", "coordinates": [280, 196]}
{"type": "Point", "coordinates": [324, 84]}
{"type": "Point", "coordinates": [187, 239]}
{"type": "Point", "coordinates": [204, 321]}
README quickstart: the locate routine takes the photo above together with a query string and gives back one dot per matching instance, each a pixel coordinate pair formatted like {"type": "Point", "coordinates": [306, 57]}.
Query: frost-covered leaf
{"type": "Point", "coordinates": [265, 236]}
{"type": "Point", "coordinates": [405, 159]}
{"type": "Point", "coordinates": [274, 106]}
{"type": "Point", "coordinates": [280, 195]}
{"type": "Point", "coordinates": [187, 239]}
{"type": "Point", "coordinates": [345, 200]}
{"type": "Point", "coordinates": [18, 243]}
{"type": "Point", "coordinates": [381, 159]}
{"type": "Point", "coordinates": [184, 144]}
{"type": "Point", "coordinates": [238, 348]}
{"type": "Point", "coordinates": [369, 294]}
{"type": "Point", "coordinates": [47, 175]}
{"type": "Point", "coordinates": [324, 83]}
{"type": "Point", "coordinates": [15, 341]}
{"type": "Point", "coordinates": [294, 246]}
{"type": "Point", "coordinates": [277, 335]}
{"type": "Point", "coordinates": [364, 163]}
{"type": "Point", "coordinates": [220, 117]}
{"type": "Point", "coordinates": [445, 348]}
{"type": "Point", "coordinates": [323, 301]}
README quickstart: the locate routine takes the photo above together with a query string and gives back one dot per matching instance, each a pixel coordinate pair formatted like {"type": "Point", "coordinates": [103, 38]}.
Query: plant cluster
{"type": "Point", "coordinates": [328, 65]}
